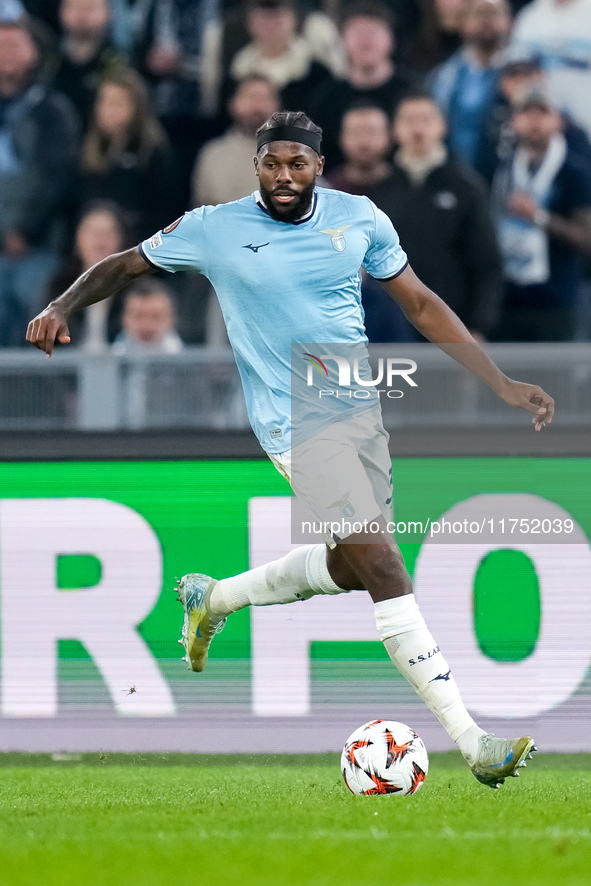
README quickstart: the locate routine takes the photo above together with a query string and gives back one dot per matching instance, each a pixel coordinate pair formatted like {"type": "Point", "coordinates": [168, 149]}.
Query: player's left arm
{"type": "Point", "coordinates": [437, 322]}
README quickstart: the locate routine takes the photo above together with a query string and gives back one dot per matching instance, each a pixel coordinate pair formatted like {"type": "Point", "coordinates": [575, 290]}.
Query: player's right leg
{"type": "Point", "coordinates": [417, 655]}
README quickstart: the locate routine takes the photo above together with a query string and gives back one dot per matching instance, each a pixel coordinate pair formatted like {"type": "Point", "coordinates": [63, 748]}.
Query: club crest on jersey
{"type": "Point", "coordinates": [344, 505]}
{"type": "Point", "coordinates": [336, 237]}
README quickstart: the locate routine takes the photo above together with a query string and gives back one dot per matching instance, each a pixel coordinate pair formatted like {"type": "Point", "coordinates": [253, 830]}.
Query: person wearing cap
{"type": "Point", "coordinates": [521, 72]}
{"type": "Point", "coordinates": [542, 203]}
{"type": "Point", "coordinates": [285, 264]}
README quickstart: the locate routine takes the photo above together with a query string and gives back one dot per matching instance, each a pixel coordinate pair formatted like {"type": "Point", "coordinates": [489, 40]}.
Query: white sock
{"type": "Point", "coordinates": [415, 653]}
{"type": "Point", "coordinates": [298, 576]}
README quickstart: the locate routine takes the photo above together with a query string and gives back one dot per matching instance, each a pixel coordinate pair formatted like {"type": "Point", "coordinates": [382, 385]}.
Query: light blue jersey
{"type": "Point", "coordinates": [280, 283]}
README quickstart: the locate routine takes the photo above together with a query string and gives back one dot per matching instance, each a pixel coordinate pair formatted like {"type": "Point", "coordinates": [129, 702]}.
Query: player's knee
{"type": "Point", "coordinates": [377, 563]}
{"type": "Point", "coordinates": [341, 571]}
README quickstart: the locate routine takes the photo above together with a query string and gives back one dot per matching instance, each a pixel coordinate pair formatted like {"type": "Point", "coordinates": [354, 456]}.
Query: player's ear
{"type": "Point", "coordinates": [320, 166]}
{"type": "Point", "coordinates": [256, 164]}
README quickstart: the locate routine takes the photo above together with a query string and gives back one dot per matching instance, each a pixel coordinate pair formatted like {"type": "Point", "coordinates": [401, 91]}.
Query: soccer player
{"type": "Point", "coordinates": [285, 265]}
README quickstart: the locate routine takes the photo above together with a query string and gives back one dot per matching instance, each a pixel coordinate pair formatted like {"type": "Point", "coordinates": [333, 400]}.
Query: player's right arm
{"type": "Point", "coordinates": [102, 280]}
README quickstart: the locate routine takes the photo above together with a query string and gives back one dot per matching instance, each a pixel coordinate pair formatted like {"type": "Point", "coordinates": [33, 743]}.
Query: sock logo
{"type": "Point", "coordinates": [425, 657]}
{"type": "Point", "coordinates": [442, 677]}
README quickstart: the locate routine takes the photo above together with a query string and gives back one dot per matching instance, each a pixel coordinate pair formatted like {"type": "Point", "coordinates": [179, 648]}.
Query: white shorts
{"type": "Point", "coordinates": [342, 477]}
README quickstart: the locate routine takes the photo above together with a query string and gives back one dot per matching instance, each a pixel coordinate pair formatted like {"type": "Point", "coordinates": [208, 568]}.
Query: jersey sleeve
{"type": "Point", "coordinates": [179, 246]}
{"type": "Point", "coordinates": [385, 258]}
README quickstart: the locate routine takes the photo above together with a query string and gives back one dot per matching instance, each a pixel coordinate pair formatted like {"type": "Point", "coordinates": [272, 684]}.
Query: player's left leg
{"type": "Point", "coordinates": [299, 575]}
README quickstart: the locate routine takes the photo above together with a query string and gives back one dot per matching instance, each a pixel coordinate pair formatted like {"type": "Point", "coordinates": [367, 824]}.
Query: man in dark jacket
{"type": "Point", "coordinates": [38, 148]}
{"type": "Point", "coordinates": [433, 200]}
{"type": "Point", "coordinates": [372, 76]}
{"type": "Point", "coordinates": [86, 53]}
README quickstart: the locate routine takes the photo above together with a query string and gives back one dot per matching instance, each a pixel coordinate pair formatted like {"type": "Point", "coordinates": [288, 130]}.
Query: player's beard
{"type": "Point", "coordinates": [295, 211]}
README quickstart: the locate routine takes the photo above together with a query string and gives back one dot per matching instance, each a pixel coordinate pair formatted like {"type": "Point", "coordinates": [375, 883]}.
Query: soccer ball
{"type": "Point", "coordinates": [384, 757]}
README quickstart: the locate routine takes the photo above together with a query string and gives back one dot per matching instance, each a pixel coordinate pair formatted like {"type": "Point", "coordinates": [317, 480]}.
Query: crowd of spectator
{"type": "Point", "coordinates": [467, 121]}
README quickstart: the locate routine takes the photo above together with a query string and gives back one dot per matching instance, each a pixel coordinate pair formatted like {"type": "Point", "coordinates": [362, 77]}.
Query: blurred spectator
{"type": "Point", "coordinates": [129, 21]}
{"type": "Point", "coordinates": [372, 77]}
{"type": "Point", "coordinates": [85, 53]}
{"type": "Point", "coordinates": [520, 73]}
{"type": "Point", "coordinates": [148, 321]}
{"type": "Point", "coordinates": [560, 30]}
{"type": "Point", "coordinates": [434, 200]}
{"type": "Point", "coordinates": [278, 52]}
{"type": "Point", "coordinates": [11, 10]}
{"type": "Point", "coordinates": [365, 143]}
{"type": "Point", "coordinates": [126, 157]}
{"type": "Point", "coordinates": [316, 25]}
{"type": "Point", "coordinates": [322, 34]}
{"type": "Point", "coordinates": [100, 232]}
{"type": "Point", "coordinates": [181, 57]}
{"type": "Point", "coordinates": [46, 11]}
{"type": "Point", "coordinates": [465, 87]}
{"type": "Point", "coordinates": [224, 169]}
{"type": "Point", "coordinates": [542, 199]}
{"type": "Point", "coordinates": [38, 149]}
{"type": "Point", "coordinates": [437, 36]}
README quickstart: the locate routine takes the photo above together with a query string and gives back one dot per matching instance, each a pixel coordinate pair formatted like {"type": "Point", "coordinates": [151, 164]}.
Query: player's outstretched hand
{"type": "Point", "coordinates": [530, 397]}
{"type": "Point", "coordinates": [48, 327]}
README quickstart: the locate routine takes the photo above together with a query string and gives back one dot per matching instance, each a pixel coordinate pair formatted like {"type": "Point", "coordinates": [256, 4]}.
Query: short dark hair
{"type": "Point", "coordinates": [415, 95]}
{"type": "Point", "coordinates": [271, 5]}
{"type": "Point", "coordinates": [252, 78]}
{"type": "Point", "coordinates": [368, 9]}
{"type": "Point", "coordinates": [144, 287]}
{"type": "Point", "coordinates": [111, 208]}
{"type": "Point", "coordinates": [362, 105]}
{"type": "Point", "coordinates": [290, 118]}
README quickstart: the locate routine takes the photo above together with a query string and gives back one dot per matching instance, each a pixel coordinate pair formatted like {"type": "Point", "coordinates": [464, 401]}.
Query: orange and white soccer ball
{"type": "Point", "coordinates": [384, 757]}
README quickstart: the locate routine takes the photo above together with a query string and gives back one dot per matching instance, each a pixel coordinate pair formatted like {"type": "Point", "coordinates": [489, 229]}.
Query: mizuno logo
{"type": "Point", "coordinates": [255, 249]}
{"type": "Point", "coordinates": [441, 677]}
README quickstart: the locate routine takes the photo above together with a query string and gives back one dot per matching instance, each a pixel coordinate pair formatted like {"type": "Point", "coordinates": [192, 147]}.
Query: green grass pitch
{"type": "Point", "coordinates": [156, 820]}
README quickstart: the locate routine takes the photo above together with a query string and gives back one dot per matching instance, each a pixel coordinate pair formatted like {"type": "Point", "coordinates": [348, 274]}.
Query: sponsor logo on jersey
{"type": "Point", "coordinates": [156, 240]}
{"type": "Point", "coordinates": [336, 237]}
{"type": "Point", "coordinates": [170, 228]}
{"type": "Point", "coordinates": [255, 249]}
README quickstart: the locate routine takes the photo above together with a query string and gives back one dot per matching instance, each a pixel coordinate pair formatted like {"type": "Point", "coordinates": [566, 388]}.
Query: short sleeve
{"type": "Point", "coordinates": [385, 258]}
{"type": "Point", "coordinates": [179, 246]}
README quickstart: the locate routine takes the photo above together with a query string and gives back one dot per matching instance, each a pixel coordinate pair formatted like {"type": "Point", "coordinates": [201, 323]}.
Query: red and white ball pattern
{"type": "Point", "coordinates": [384, 757]}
